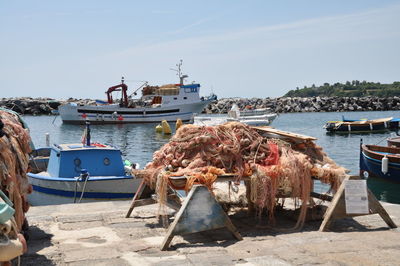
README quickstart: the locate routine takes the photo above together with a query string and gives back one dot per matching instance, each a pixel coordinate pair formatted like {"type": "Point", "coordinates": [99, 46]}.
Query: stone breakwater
{"type": "Point", "coordinates": [38, 106]}
{"type": "Point", "coordinates": [46, 106]}
{"type": "Point", "coordinates": [308, 104]}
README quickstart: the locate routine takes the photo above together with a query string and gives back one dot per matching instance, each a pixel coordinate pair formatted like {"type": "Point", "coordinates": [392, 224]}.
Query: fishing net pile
{"type": "Point", "coordinates": [14, 150]}
{"type": "Point", "coordinates": [272, 166]}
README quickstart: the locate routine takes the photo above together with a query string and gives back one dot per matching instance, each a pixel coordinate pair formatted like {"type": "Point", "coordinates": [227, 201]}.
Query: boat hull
{"type": "Point", "coordinates": [260, 120]}
{"type": "Point", "coordinates": [357, 127]}
{"type": "Point", "coordinates": [113, 114]}
{"type": "Point", "coordinates": [371, 162]}
{"type": "Point", "coordinates": [52, 190]}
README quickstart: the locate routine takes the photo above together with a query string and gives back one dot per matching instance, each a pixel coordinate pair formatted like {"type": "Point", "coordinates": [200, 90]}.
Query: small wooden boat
{"type": "Point", "coordinates": [362, 125]}
{"type": "Point", "coordinates": [393, 142]}
{"type": "Point", "coordinates": [380, 161]}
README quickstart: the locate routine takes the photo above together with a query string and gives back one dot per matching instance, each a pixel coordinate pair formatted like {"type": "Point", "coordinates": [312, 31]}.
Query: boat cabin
{"type": "Point", "coordinates": [172, 94]}
{"type": "Point", "coordinates": [67, 160]}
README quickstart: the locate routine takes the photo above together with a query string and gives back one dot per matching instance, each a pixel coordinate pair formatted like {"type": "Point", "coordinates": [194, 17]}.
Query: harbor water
{"type": "Point", "coordinates": [138, 142]}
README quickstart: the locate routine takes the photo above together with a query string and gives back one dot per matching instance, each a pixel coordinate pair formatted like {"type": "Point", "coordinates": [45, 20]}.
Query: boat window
{"type": "Point", "coordinates": [185, 98]}
{"type": "Point", "coordinates": [175, 98]}
{"type": "Point", "coordinates": [190, 90]}
{"type": "Point", "coordinates": [106, 161]}
{"type": "Point", "coordinates": [77, 161]}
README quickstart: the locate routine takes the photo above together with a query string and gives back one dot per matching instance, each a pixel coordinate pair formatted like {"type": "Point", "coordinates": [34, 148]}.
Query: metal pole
{"type": "Point", "coordinates": [47, 139]}
{"type": "Point", "coordinates": [87, 133]}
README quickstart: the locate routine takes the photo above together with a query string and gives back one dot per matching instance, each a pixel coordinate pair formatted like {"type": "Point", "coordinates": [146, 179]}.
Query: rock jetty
{"type": "Point", "coordinates": [38, 106]}
{"type": "Point", "coordinates": [46, 106]}
{"type": "Point", "coordinates": [308, 104]}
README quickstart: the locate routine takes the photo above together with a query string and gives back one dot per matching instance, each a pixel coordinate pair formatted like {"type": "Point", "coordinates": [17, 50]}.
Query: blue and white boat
{"type": "Point", "coordinates": [168, 102]}
{"type": "Point", "coordinates": [81, 173]}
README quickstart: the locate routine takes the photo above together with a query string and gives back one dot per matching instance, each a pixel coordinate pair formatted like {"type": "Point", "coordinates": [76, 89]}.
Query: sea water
{"type": "Point", "coordinates": [138, 142]}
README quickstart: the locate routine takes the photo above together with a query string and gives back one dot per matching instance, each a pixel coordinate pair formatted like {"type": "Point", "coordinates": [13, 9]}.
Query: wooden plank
{"type": "Point", "coordinates": [170, 233]}
{"type": "Point", "coordinates": [377, 207]}
{"type": "Point", "coordinates": [285, 133]}
{"type": "Point", "coordinates": [181, 180]}
{"type": "Point", "coordinates": [137, 195]}
{"type": "Point", "coordinates": [332, 207]}
{"type": "Point", "coordinates": [229, 225]}
{"type": "Point", "coordinates": [173, 202]}
{"type": "Point", "coordinates": [143, 202]}
{"type": "Point", "coordinates": [337, 209]}
{"type": "Point", "coordinates": [324, 197]}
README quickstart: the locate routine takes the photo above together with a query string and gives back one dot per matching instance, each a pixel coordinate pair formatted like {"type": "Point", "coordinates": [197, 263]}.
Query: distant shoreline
{"type": "Point", "coordinates": [47, 106]}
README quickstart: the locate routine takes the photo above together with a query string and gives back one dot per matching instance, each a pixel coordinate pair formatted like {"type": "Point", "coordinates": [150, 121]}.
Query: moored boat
{"type": "Point", "coordinates": [393, 142]}
{"type": "Point", "coordinates": [168, 102]}
{"type": "Point", "coordinates": [380, 161]}
{"type": "Point", "coordinates": [362, 125]}
{"type": "Point", "coordinates": [253, 117]}
{"type": "Point", "coordinates": [81, 173]}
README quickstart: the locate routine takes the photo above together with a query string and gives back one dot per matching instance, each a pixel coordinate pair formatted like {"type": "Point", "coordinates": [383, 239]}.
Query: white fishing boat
{"type": "Point", "coordinates": [74, 173]}
{"type": "Point", "coordinates": [254, 117]}
{"type": "Point", "coordinates": [168, 102]}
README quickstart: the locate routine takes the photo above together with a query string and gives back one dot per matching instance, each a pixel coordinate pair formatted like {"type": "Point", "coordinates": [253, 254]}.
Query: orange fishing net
{"type": "Point", "coordinates": [202, 153]}
{"type": "Point", "coordinates": [14, 149]}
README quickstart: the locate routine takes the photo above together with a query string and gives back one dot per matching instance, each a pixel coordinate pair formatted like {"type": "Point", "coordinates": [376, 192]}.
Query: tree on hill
{"type": "Point", "coordinates": [354, 88]}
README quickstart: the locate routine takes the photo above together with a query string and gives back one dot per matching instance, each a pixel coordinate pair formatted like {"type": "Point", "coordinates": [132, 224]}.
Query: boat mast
{"type": "Point", "coordinates": [179, 72]}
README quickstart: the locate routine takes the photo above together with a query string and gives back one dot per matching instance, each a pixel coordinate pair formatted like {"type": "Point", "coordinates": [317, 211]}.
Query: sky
{"type": "Point", "coordinates": [233, 48]}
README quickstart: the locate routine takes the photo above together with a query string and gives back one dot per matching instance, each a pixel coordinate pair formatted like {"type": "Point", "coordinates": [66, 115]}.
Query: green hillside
{"type": "Point", "coordinates": [349, 89]}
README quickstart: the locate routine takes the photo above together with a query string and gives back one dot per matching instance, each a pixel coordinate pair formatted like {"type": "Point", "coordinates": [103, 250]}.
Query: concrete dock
{"type": "Point", "coordinates": [98, 234]}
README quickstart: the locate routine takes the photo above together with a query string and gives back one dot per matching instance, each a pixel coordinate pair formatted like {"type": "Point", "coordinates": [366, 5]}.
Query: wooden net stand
{"type": "Point", "coordinates": [337, 208]}
{"type": "Point", "coordinates": [173, 200]}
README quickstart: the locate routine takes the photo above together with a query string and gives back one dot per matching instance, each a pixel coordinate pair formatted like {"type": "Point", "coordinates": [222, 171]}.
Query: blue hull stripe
{"type": "Point", "coordinates": [86, 195]}
{"type": "Point", "coordinates": [374, 166]}
{"type": "Point", "coordinates": [391, 165]}
{"type": "Point", "coordinates": [71, 179]}
{"type": "Point", "coordinates": [144, 116]}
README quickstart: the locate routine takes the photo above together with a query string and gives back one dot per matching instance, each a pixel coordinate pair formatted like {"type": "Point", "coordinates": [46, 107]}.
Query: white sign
{"type": "Point", "coordinates": [356, 197]}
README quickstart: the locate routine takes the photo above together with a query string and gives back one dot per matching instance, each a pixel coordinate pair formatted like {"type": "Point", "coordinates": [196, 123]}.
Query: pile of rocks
{"type": "Point", "coordinates": [38, 106]}
{"type": "Point", "coordinates": [309, 104]}
{"type": "Point", "coordinates": [46, 106]}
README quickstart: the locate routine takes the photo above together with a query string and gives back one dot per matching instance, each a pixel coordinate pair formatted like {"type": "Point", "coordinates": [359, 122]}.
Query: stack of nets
{"type": "Point", "coordinates": [14, 150]}
{"type": "Point", "coordinates": [202, 153]}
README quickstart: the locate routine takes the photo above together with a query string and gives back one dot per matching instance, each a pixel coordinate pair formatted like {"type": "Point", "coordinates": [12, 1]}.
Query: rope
{"type": "Point", "coordinates": [381, 140]}
{"type": "Point", "coordinates": [83, 190]}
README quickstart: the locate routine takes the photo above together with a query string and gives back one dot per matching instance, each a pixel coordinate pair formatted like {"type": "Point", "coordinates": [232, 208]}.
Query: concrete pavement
{"type": "Point", "coordinates": [98, 234]}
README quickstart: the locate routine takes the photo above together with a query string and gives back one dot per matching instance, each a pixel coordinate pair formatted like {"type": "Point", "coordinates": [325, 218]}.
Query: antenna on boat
{"type": "Point", "coordinates": [179, 72]}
